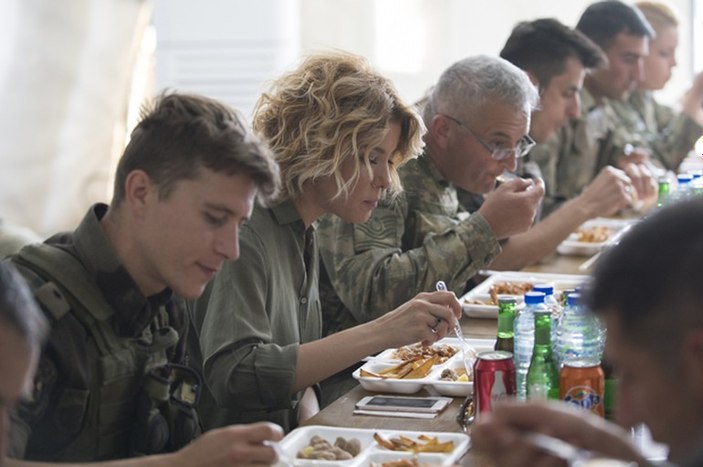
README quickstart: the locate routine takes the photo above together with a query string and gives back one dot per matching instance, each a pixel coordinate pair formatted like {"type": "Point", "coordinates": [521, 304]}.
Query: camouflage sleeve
{"type": "Point", "coordinates": [546, 155]}
{"type": "Point", "coordinates": [371, 273]}
{"type": "Point", "coordinates": [677, 135]}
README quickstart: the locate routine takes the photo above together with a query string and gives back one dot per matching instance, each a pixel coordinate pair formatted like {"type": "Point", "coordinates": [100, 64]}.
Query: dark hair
{"type": "Point", "coordinates": [541, 47]}
{"type": "Point", "coordinates": [652, 279]}
{"type": "Point", "coordinates": [179, 134]}
{"type": "Point", "coordinates": [602, 21]}
{"type": "Point", "coordinates": [18, 308]}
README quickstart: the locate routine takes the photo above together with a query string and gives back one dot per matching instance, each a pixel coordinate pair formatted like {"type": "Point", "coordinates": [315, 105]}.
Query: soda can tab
{"type": "Point", "coordinates": [494, 379]}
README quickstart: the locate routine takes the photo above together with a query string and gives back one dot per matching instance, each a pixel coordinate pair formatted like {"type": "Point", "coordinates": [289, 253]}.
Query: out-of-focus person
{"type": "Point", "coordinates": [647, 292]}
{"type": "Point", "coordinates": [477, 118]}
{"type": "Point", "coordinates": [556, 58]}
{"type": "Point", "coordinates": [22, 333]}
{"type": "Point", "coordinates": [669, 132]}
{"type": "Point", "coordinates": [574, 157]}
{"type": "Point", "coordinates": [112, 385]}
{"type": "Point", "coordinates": [339, 131]}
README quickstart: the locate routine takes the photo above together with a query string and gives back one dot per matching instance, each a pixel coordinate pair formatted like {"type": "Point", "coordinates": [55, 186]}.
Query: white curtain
{"type": "Point", "coordinates": [66, 73]}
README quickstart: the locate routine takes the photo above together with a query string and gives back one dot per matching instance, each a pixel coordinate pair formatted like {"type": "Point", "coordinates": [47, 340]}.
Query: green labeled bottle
{"type": "Point", "coordinates": [542, 376]}
{"type": "Point", "coordinates": [506, 315]}
{"type": "Point", "coordinates": [663, 194]}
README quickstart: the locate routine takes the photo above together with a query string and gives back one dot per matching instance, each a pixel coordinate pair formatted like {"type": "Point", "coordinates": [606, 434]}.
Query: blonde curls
{"type": "Point", "coordinates": [331, 108]}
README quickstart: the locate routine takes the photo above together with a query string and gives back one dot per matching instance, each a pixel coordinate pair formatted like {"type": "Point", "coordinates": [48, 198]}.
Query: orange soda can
{"type": "Point", "coordinates": [582, 383]}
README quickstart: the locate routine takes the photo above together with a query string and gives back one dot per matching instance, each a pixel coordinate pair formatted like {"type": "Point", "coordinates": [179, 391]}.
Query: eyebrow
{"type": "Point", "coordinates": [220, 208]}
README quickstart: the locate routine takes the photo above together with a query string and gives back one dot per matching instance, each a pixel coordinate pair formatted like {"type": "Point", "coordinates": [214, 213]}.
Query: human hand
{"type": "Point", "coordinates": [607, 194]}
{"type": "Point", "coordinates": [232, 445]}
{"type": "Point", "coordinates": [644, 183]}
{"type": "Point", "coordinates": [426, 318]}
{"type": "Point", "coordinates": [511, 208]}
{"type": "Point", "coordinates": [500, 434]}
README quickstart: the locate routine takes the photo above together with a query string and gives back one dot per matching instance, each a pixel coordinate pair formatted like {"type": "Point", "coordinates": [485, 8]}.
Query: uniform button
{"type": "Point", "coordinates": [304, 300]}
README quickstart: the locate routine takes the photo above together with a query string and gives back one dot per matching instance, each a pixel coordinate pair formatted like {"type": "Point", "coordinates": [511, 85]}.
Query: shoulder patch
{"type": "Point", "coordinates": [383, 230]}
{"type": "Point", "coordinates": [53, 300]}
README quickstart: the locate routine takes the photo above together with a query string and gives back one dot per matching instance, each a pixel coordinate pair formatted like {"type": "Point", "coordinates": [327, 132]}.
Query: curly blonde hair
{"type": "Point", "coordinates": [334, 106]}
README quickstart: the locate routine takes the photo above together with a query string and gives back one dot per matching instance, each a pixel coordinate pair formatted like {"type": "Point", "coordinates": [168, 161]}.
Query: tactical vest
{"type": "Point", "coordinates": [137, 403]}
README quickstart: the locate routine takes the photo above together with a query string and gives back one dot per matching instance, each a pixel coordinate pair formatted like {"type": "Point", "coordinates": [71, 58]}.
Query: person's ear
{"type": "Point", "coordinates": [439, 129]}
{"type": "Point", "coordinates": [535, 81]}
{"type": "Point", "coordinates": [139, 191]}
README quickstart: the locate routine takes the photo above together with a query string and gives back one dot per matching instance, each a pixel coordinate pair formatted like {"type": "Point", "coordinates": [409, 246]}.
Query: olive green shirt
{"type": "Point", "coordinates": [252, 318]}
{"type": "Point", "coordinates": [409, 243]}
{"type": "Point", "coordinates": [669, 135]}
{"type": "Point", "coordinates": [574, 155]}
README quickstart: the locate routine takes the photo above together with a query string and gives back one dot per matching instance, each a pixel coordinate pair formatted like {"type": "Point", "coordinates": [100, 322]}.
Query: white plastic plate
{"type": "Point", "coordinates": [482, 291]}
{"type": "Point", "coordinates": [431, 381]}
{"type": "Point", "coordinates": [370, 450]}
{"type": "Point", "coordinates": [571, 246]}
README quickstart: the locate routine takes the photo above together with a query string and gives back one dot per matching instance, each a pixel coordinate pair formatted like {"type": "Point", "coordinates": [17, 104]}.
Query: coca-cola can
{"type": "Point", "coordinates": [494, 379]}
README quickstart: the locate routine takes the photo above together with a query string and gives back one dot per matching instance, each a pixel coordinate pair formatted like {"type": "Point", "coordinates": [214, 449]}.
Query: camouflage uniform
{"type": "Point", "coordinates": [89, 400]}
{"type": "Point", "coordinates": [571, 158]}
{"type": "Point", "coordinates": [410, 242]}
{"type": "Point", "coordinates": [669, 135]}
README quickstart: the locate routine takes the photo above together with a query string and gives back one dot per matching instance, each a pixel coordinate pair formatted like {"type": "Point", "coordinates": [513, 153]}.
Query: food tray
{"type": "Point", "coordinates": [431, 381]}
{"type": "Point", "coordinates": [482, 291]}
{"type": "Point", "coordinates": [572, 246]}
{"type": "Point", "coordinates": [371, 452]}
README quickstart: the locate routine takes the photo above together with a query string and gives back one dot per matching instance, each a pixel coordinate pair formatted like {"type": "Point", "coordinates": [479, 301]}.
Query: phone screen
{"type": "Point", "coordinates": [402, 402]}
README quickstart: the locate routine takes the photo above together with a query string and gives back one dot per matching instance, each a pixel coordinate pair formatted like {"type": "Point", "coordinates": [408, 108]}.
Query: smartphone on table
{"type": "Point", "coordinates": [390, 403]}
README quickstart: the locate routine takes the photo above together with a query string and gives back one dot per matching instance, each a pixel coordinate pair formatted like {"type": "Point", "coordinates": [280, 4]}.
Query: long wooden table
{"type": "Point", "coordinates": [340, 412]}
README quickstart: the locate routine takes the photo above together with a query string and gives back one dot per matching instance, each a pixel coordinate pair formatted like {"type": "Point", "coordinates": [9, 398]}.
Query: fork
{"type": "Point", "coordinates": [468, 353]}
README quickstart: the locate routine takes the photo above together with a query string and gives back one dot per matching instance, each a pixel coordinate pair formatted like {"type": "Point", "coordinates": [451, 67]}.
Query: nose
{"type": "Point", "coordinates": [227, 243]}
{"type": "Point", "coordinates": [574, 108]}
{"type": "Point", "coordinates": [638, 71]}
{"type": "Point", "coordinates": [382, 176]}
{"type": "Point", "coordinates": [510, 163]}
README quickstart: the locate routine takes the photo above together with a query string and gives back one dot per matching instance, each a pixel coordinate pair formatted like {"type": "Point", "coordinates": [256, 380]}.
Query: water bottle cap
{"type": "Point", "coordinates": [684, 178]}
{"type": "Point", "coordinates": [547, 289]}
{"type": "Point", "coordinates": [534, 297]}
{"type": "Point", "coordinates": [573, 298]}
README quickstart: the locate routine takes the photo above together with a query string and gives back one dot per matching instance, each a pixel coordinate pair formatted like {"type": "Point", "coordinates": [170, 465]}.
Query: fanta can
{"type": "Point", "coordinates": [582, 383]}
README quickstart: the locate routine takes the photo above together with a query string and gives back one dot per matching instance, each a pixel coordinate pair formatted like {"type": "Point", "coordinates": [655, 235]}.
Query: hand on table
{"type": "Point", "coordinates": [230, 446]}
{"type": "Point", "coordinates": [608, 193]}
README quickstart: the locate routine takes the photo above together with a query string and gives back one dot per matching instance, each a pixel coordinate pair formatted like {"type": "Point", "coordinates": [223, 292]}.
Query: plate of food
{"type": "Point", "coordinates": [482, 300]}
{"type": "Point", "coordinates": [593, 235]}
{"type": "Point", "coordinates": [408, 369]}
{"type": "Point", "coordinates": [326, 446]}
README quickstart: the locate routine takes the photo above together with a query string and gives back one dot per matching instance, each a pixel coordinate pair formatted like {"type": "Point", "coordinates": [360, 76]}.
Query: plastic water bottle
{"type": "Point", "coordinates": [579, 334]}
{"type": "Point", "coordinates": [549, 299]}
{"type": "Point", "coordinates": [683, 187]}
{"type": "Point", "coordinates": [525, 338]}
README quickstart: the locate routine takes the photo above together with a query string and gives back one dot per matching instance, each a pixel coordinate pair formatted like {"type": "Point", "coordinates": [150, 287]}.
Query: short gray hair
{"type": "Point", "coordinates": [469, 84]}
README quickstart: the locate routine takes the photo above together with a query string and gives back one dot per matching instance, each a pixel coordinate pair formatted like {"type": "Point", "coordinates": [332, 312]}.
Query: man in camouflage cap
{"type": "Point", "coordinates": [477, 118]}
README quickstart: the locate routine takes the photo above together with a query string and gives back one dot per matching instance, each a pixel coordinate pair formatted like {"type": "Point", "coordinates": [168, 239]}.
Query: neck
{"type": "Point", "coordinates": [308, 207]}
{"type": "Point", "coordinates": [121, 236]}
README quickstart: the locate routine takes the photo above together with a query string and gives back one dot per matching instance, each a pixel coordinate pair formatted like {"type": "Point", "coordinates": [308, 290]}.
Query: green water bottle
{"type": "Point", "coordinates": [505, 339]}
{"type": "Point", "coordinates": [664, 188]}
{"type": "Point", "coordinates": [542, 376]}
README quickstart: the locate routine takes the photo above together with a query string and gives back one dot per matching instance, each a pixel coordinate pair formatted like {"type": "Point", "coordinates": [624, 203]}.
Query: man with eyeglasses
{"type": "Point", "coordinates": [573, 158]}
{"type": "Point", "coordinates": [477, 118]}
{"type": "Point", "coordinates": [555, 58]}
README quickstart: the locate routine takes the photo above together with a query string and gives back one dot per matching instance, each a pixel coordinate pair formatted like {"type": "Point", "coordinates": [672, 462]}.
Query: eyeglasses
{"type": "Point", "coordinates": [521, 150]}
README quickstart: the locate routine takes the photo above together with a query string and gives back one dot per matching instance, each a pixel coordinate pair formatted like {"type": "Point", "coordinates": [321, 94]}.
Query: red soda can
{"type": "Point", "coordinates": [582, 383]}
{"type": "Point", "coordinates": [494, 379]}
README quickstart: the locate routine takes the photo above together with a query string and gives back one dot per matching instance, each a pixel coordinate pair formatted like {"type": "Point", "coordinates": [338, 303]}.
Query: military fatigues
{"type": "Point", "coordinates": [253, 317]}
{"type": "Point", "coordinates": [669, 135]}
{"type": "Point", "coordinates": [573, 157]}
{"type": "Point", "coordinates": [409, 243]}
{"type": "Point", "coordinates": [92, 397]}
